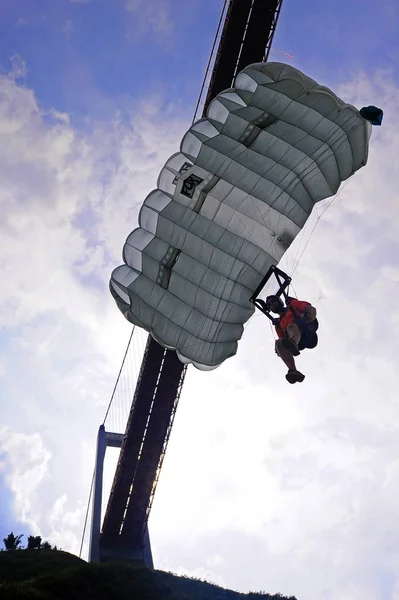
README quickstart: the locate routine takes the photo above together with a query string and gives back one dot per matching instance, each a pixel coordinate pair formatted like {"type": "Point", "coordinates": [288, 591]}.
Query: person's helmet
{"type": "Point", "coordinates": [271, 299]}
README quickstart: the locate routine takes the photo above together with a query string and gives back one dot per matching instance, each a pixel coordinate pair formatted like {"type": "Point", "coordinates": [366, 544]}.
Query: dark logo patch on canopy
{"type": "Point", "coordinates": [189, 185]}
{"type": "Point", "coordinates": [185, 166]}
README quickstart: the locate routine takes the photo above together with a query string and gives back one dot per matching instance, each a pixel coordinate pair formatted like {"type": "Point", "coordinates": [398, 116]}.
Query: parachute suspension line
{"type": "Point", "coordinates": [332, 200]}
{"type": "Point", "coordinates": [306, 245]}
{"type": "Point", "coordinates": [87, 513]}
{"type": "Point", "coordinates": [268, 243]}
{"type": "Point", "coordinates": [208, 66]}
{"type": "Point", "coordinates": [130, 382]}
{"type": "Point", "coordinates": [266, 220]}
{"type": "Point", "coordinates": [271, 329]}
{"type": "Point", "coordinates": [119, 375]}
{"type": "Point", "coordinates": [293, 289]}
{"type": "Point", "coordinates": [293, 261]}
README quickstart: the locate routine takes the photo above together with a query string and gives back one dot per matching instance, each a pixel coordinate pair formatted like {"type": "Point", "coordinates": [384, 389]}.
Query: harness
{"type": "Point", "coordinates": [309, 338]}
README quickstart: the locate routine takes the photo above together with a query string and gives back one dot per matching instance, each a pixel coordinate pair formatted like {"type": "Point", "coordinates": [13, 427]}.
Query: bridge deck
{"type": "Point", "coordinates": [246, 38]}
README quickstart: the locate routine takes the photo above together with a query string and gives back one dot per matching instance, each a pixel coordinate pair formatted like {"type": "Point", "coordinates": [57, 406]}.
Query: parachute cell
{"type": "Point", "coordinates": [230, 203]}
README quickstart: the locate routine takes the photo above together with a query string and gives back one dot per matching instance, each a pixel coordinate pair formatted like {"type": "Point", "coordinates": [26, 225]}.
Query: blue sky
{"type": "Point", "coordinates": [94, 98]}
{"type": "Point", "coordinates": [339, 38]}
{"type": "Point", "coordinates": [91, 58]}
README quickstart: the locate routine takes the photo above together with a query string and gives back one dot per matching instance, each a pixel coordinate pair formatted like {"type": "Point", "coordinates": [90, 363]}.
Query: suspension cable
{"type": "Point", "coordinates": [87, 513]}
{"type": "Point", "coordinates": [210, 60]}
{"type": "Point", "coordinates": [105, 418]}
{"type": "Point", "coordinates": [119, 374]}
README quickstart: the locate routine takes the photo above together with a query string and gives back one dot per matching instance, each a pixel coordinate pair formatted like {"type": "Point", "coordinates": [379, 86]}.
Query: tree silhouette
{"type": "Point", "coordinates": [34, 542]}
{"type": "Point", "coordinates": [47, 546]}
{"type": "Point", "coordinates": [12, 542]}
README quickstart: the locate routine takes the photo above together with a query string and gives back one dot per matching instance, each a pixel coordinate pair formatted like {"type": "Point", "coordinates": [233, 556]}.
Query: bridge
{"type": "Point", "coordinates": [244, 35]}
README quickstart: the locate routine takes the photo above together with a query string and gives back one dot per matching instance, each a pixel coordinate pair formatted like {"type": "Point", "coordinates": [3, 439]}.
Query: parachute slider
{"type": "Point", "coordinates": [283, 281]}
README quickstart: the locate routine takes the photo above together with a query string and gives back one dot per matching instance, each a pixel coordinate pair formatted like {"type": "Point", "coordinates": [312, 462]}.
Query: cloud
{"type": "Point", "coordinates": [19, 70]}
{"type": "Point", "coordinates": [151, 15]}
{"type": "Point", "coordinates": [61, 197]}
{"type": "Point", "coordinates": [27, 460]}
{"type": "Point", "coordinates": [275, 487]}
{"type": "Point", "coordinates": [8, 519]}
{"type": "Point", "coordinates": [68, 201]}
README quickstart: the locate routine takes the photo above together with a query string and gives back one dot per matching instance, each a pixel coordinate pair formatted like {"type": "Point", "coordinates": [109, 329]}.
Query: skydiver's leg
{"type": "Point", "coordinates": [293, 375]}
{"type": "Point", "coordinates": [292, 338]}
{"type": "Point", "coordinates": [285, 355]}
{"type": "Point", "coordinates": [288, 351]}
{"type": "Point", "coordinates": [294, 333]}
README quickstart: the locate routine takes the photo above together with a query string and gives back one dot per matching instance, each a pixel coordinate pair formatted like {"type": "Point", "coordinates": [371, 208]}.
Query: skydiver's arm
{"type": "Point", "coordinates": [309, 313]}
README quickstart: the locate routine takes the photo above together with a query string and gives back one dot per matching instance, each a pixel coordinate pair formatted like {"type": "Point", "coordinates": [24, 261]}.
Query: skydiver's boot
{"type": "Point", "coordinates": [291, 346]}
{"type": "Point", "coordinates": [294, 376]}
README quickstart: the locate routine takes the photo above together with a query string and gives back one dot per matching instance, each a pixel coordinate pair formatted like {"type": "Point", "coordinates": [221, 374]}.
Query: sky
{"type": "Point", "coordinates": [265, 486]}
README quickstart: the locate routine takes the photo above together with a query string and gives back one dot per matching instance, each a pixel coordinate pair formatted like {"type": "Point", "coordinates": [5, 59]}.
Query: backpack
{"type": "Point", "coordinates": [309, 338]}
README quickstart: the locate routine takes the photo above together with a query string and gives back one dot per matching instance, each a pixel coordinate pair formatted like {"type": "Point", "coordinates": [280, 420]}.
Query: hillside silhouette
{"type": "Point", "coordinates": [57, 575]}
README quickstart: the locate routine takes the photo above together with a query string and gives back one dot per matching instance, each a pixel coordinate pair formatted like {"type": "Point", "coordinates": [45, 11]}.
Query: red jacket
{"type": "Point", "coordinates": [298, 306]}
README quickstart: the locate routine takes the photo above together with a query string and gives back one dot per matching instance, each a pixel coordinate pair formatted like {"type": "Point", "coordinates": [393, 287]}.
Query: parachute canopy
{"type": "Point", "coordinates": [230, 203]}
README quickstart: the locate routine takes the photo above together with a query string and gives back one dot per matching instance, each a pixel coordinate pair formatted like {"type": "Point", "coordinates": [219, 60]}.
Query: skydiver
{"type": "Point", "coordinates": [294, 333]}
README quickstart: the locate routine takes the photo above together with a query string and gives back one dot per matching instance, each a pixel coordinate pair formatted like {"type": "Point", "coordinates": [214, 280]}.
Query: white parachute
{"type": "Point", "coordinates": [229, 204]}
